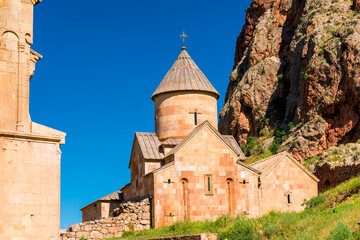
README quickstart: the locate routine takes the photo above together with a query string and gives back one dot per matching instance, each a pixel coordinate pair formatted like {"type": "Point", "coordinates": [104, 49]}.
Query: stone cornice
{"type": "Point", "coordinates": [35, 56]}
{"type": "Point", "coordinates": [31, 136]}
{"type": "Point", "coordinates": [35, 2]}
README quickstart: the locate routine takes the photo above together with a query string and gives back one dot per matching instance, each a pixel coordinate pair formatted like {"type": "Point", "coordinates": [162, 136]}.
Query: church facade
{"type": "Point", "coordinates": [190, 171]}
{"type": "Point", "coordinates": [29, 152]}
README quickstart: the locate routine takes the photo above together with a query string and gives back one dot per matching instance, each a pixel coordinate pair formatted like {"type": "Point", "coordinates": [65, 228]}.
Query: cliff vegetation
{"type": "Point", "coordinates": [296, 77]}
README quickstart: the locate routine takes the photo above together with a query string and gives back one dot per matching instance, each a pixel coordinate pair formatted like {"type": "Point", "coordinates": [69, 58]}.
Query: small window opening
{"type": "Point", "coordinates": [169, 181]}
{"type": "Point", "coordinates": [170, 214]}
{"type": "Point", "coordinates": [94, 205]}
{"type": "Point", "coordinates": [208, 184]}
{"type": "Point", "coordinates": [195, 118]}
{"type": "Point", "coordinates": [244, 181]}
{"type": "Point", "coordinates": [289, 198]}
{"type": "Point", "coordinates": [209, 189]}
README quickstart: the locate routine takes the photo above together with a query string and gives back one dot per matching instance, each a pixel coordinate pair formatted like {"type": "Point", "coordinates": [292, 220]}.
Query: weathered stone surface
{"type": "Point", "coordinates": [135, 213]}
{"type": "Point", "coordinates": [96, 234]}
{"type": "Point", "coordinates": [308, 140]}
{"type": "Point", "coordinates": [145, 222]}
{"type": "Point", "coordinates": [357, 5]}
{"type": "Point", "coordinates": [318, 46]}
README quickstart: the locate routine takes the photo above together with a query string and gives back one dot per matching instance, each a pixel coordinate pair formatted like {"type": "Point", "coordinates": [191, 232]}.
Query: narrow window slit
{"type": "Point", "coordinates": [195, 118]}
{"type": "Point", "coordinates": [209, 184]}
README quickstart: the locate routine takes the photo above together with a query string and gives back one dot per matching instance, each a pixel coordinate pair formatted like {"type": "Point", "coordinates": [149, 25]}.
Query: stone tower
{"type": "Point", "coordinates": [29, 152]}
{"type": "Point", "coordinates": [184, 99]}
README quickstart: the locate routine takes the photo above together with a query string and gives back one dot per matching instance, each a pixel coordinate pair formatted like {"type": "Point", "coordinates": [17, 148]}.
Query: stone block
{"type": "Point", "coordinates": [145, 216]}
{"type": "Point", "coordinates": [145, 222]}
{"type": "Point", "coordinates": [81, 234]}
{"type": "Point", "coordinates": [113, 229]}
{"type": "Point", "coordinates": [96, 234]}
{"type": "Point", "coordinates": [74, 228]}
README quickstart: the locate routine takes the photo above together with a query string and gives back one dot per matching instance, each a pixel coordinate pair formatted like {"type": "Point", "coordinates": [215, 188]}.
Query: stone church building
{"type": "Point", "coordinates": [190, 171]}
{"type": "Point", "coordinates": [29, 152]}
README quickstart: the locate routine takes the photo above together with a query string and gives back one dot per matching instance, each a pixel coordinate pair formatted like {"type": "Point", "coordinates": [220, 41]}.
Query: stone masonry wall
{"type": "Point", "coordinates": [332, 176]}
{"type": "Point", "coordinates": [131, 216]}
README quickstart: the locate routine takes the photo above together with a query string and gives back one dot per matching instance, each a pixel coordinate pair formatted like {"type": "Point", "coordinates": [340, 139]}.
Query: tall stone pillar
{"type": "Point", "coordinates": [29, 152]}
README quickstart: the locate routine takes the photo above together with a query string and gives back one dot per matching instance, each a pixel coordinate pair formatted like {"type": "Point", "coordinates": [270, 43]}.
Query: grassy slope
{"type": "Point", "coordinates": [331, 215]}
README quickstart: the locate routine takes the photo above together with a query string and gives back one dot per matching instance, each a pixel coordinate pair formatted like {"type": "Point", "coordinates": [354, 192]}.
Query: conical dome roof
{"type": "Point", "coordinates": [184, 75]}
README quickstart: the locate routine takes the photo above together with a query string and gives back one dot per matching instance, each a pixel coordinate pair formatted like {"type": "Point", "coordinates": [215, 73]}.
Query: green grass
{"type": "Point", "coordinates": [331, 215]}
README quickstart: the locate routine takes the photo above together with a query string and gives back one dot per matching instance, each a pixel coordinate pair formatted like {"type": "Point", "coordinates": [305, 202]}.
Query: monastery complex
{"type": "Point", "coordinates": [189, 170]}
{"type": "Point", "coordinates": [185, 170]}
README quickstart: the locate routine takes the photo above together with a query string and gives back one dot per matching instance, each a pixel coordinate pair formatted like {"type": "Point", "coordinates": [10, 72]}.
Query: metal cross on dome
{"type": "Point", "coordinates": [183, 36]}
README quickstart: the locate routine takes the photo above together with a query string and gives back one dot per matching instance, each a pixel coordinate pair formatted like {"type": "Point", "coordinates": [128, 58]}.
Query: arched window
{"type": "Point", "coordinates": [184, 189]}
{"type": "Point", "coordinates": [229, 195]}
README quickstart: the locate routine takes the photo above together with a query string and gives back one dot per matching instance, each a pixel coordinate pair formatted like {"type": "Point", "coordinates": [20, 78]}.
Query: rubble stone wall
{"type": "Point", "coordinates": [129, 216]}
{"type": "Point", "coordinates": [332, 176]}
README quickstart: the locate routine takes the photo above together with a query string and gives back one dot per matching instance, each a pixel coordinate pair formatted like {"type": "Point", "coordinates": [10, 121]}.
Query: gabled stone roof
{"type": "Point", "coordinates": [170, 142]}
{"type": "Point", "coordinates": [112, 196]}
{"type": "Point", "coordinates": [115, 196]}
{"type": "Point", "coordinates": [265, 165]}
{"type": "Point", "coordinates": [266, 162]}
{"type": "Point", "coordinates": [231, 140]}
{"type": "Point", "coordinates": [185, 75]}
{"type": "Point", "coordinates": [227, 140]}
{"type": "Point", "coordinates": [149, 145]}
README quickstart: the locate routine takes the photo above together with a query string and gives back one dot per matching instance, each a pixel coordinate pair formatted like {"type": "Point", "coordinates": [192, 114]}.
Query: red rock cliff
{"type": "Point", "coordinates": [297, 61]}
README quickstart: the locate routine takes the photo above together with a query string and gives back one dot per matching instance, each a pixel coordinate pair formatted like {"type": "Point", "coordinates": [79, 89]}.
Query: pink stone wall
{"type": "Point", "coordinates": [204, 154]}
{"type": "Point", "coordinates": [17, 63]}
{"type": "Point", "coordinates": [29, 153]}
{"type": "Point", "coordinates": [99, 210]}
{"type": "Point", "coordinates": [286, 178]}
{"type": "Point", "coordinates": [140, 186]}
{"type": "Point", "coordinates": [174, 116]}
{"type": "Point", "coordinates": [91, 212]}
{"type": "Point", "coordinates": [151, 166]}
{"type": "Point", "coordinates": [29, 189]}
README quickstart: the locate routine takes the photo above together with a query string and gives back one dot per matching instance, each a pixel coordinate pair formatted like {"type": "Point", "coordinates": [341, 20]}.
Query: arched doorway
{"type": "Point", "coordinates": [327, 184]}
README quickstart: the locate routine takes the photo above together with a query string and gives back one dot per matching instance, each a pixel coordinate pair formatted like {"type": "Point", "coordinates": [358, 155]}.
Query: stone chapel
{"type": "Point", "coordinates": [29, 152]}
{"type": "Point", "coordinates": [189, 170]}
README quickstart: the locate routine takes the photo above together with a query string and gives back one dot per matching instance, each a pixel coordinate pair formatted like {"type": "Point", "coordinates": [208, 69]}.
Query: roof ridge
{"type": "Point", "coordinates": [195, 131]}
{"type": "Point", "coordinates": [104, 198]}
{"type": "Point", "coordinates": [145, 133]}
{"type": "Point", "coordinates": [268, 158]}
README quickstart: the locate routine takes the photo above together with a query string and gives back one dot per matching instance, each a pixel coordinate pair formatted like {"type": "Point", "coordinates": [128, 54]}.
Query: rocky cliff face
{"type": "Point", "coordinates": [297, 62]}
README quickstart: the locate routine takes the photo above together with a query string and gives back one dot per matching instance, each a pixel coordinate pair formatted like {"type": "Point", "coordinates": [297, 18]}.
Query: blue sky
{"type": "Point", "coordinates": [102, 61]}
